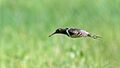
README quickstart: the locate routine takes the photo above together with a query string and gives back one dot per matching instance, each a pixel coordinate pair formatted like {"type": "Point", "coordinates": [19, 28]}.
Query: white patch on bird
{"type": "Point", "coordinates": [84, 33]}
{"type": "Point", "coordinates": [68, 32]}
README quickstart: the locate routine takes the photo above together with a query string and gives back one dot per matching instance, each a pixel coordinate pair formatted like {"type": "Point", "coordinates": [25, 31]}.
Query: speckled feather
{"type": "Point", "coordinates": [74, 33]}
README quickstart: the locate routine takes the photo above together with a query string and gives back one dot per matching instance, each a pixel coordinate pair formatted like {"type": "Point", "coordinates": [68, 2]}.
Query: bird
{"type": "Point", "coordinates": [74, 33]}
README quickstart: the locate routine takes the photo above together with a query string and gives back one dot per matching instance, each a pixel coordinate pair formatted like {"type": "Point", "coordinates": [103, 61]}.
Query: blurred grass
{"type": "Point", "coordinates": [26, 24]}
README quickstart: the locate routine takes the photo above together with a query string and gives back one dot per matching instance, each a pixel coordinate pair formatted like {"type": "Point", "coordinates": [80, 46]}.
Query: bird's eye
{"type": "Point", "coordinates": [60, 29]}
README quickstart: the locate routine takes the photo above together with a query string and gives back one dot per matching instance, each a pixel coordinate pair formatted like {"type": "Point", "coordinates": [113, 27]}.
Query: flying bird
{"type": "Point", "coordinates": [74, 33]}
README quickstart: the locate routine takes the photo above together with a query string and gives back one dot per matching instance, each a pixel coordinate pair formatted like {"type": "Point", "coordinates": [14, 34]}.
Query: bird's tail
{"type": "Point", "coordinates": [94, 36]}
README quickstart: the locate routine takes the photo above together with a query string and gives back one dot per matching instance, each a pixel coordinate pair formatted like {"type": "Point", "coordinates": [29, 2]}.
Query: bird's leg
{"type": "Point", "coordinates": [93, 36]}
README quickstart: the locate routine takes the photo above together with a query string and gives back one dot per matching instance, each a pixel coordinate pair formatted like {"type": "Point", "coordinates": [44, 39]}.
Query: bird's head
{"type": "Point", "coordinates": [59, 31]}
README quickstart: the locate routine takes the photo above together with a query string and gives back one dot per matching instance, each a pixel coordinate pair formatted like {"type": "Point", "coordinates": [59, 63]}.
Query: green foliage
{"type": "Point", "coordinates": [26, 24]}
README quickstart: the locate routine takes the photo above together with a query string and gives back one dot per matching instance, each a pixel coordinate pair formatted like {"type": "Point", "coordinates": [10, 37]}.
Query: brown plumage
{"type": "Point", "coordinates": [74, 33]}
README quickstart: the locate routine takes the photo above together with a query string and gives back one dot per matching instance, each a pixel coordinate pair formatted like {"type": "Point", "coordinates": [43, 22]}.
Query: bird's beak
{"type": "Point", "coordinates": [52, 34]}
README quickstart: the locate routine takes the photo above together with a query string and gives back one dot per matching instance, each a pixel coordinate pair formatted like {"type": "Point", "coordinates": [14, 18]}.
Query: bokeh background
{"type": "Point", "coordinates": [26, 24]}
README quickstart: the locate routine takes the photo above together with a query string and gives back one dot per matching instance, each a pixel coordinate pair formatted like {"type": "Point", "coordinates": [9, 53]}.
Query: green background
{"type": "Point", "coordinates": [26, 24]}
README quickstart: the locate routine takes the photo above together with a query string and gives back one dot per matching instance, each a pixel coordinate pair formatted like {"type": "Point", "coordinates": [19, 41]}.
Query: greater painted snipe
{"type": "Point", "coordinates": [74, 33]}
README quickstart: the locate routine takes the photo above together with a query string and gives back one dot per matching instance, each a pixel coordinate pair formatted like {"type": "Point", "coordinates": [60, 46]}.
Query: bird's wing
{"type": "Point", "coordinates": [74, 32]}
